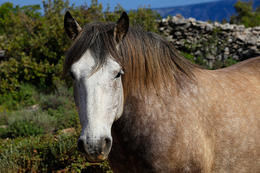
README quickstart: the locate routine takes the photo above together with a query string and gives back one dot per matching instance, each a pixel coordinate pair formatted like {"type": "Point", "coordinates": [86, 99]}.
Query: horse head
{"type": "Point", "coordinates": [98, 90]}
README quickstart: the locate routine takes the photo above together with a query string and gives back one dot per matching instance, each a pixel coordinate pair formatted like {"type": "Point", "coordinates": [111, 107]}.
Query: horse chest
{"type": "Point", "coordinates": [137, 148]}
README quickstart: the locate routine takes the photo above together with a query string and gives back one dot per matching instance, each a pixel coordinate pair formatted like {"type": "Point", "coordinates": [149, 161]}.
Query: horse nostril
{"type": "Point", "coordinates": [106, 145]}
{"type": "Point", "coordinates": [81, 146]}
{"type": "Point", "coordinates": [107, 141]}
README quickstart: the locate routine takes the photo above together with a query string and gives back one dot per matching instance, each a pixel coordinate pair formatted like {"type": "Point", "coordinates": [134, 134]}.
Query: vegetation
{"type": "Point", "coordinates": [35, 43]}
{"type": "Point", "coordinates": [33, 139]}
{"type": "Point", "coordinates": [246, 15]}
{"type": "Point", "coordinates": [45, 153]}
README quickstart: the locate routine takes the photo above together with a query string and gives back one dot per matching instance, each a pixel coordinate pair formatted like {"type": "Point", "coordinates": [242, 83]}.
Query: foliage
{"type": "Point", "coordinates": [228, 62]}
{"type": "Point", "coordinates": [22, 129]}
{"type": "Point", "coordinates": [196, 60]}
{"type": "Point", "coordinates": [45, 154]}
{"type": "Point", "coordinates": [246, 15]}
{"type": "Point", "coordinates": [34, 46]}
{"type": "Point", "coordinates": [52, 113]}
{"type": "Point", "coordinates": [33, 140]}
{"type": "Point", "coordinates": [145, 18]}
{"type": "Point", "coordinates": [26, 123]}
{"type": "Point", "coordinates": [26, 96]}
{"type": "Point", "coordinates": [35, 43]}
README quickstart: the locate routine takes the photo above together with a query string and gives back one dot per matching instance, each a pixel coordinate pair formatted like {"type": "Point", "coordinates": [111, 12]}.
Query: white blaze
{"type": "Point", "coordinates": [98, 95]}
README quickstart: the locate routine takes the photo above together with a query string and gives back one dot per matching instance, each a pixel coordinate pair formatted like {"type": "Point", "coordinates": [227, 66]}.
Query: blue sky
{"type": "Point", "coordinates": [127, 4]}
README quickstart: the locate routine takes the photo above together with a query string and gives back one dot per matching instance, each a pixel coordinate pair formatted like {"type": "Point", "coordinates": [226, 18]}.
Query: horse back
{"type": "Point", "coordinates": [250, 66]}
{"type": "Point", "coordinates": [233, 99]}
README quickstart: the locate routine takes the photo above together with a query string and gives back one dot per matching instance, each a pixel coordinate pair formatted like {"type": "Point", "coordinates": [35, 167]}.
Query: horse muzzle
{"type": "Point", "coordinates": [96, 151]}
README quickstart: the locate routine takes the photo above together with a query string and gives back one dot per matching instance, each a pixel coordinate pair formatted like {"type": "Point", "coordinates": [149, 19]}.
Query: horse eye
{"type": "Point", "coordinates": [119, 73]}
{"type": "Point", "coordinates": [72, 75]}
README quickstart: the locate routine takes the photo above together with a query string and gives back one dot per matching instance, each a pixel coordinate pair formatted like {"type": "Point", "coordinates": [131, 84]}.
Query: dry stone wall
{"type": "Point", "coordinates": [213, 42]}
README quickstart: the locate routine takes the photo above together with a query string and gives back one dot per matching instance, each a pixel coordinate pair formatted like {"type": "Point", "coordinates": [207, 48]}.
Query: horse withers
{"type": "Point", "coordinates": [147, 109]}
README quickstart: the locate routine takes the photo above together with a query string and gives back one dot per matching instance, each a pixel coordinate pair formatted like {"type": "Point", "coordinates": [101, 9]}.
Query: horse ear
{"type": "Point", "coordinates": [121, 28]}
{"type": "Point", "coordinates": [71, 26]}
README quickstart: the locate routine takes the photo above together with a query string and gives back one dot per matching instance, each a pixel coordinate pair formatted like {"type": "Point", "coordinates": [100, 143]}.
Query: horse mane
{"type": "Point", "coordinates": [148, 60]}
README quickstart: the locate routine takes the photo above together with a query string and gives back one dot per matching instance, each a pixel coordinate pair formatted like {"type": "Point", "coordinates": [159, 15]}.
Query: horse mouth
{"type": "Point", "coordinates": [98, 159]}
{"type": "Point", "coordinates": [94, 156]}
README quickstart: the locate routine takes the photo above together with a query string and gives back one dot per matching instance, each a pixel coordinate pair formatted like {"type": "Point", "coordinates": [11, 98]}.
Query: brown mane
{"type": "Point", "coordinates": [147, 59]}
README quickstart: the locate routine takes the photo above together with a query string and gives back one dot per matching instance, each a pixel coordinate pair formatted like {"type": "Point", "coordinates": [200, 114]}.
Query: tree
{"type": "Point", "coordinates": [245, 14]}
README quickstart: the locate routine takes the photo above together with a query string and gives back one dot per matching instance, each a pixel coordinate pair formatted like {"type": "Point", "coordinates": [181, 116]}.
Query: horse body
{"type": "Point", "coordinates": [212, 126]}
{"type": "Point", "coordinates": [161, 113]}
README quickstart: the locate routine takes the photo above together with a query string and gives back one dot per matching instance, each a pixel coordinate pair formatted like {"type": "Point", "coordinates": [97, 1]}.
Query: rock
{"type": "Point", "coordinates": [226, 50]}
{"type": "Point", "coordinates": [211, 57]}
{"type": "Point", "coordinates": [214, 42]}
{"type": "Point", "coordinates": [3, 127]}
{"type": "Point", "coordinates": [235, 57]}
{"type": "Point", "coordinates": [33, 108]}
{"type": "Point", "coordinates": [161, 29]}
{"type": "Point", "coordinates": [68, 131]}
{"type": "Point", "coordinates": [169, 38]}
{"type": "Point", "coordinates": [165, 20]}
{"type": "Point", "coordinates": [209, 27]}
{"type": "Point", "coordinates": [216, 24]}
{"type": "Point", "coordinates": [191, 19]}
{"type": "Point", "coordinates": [257, 28]}
{"type": "Point", "coordinates": [178, 33]}
{"type": "Point", "coordinates": [197, 53]}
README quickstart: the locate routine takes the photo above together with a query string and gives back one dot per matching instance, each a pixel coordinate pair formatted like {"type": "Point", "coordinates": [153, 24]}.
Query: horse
{"type": "Point", "coordinates": [161, 113]}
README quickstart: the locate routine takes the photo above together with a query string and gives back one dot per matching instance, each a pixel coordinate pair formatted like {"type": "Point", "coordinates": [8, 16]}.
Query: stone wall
{"type": "Point", "coordinates": [212, 42]}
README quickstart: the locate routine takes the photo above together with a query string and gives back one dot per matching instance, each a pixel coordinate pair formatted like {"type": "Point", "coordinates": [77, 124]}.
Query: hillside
{"type": "Point", "coordinates": [214, 11]}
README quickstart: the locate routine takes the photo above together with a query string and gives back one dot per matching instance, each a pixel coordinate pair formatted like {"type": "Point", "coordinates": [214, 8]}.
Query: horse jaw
{"type": "Point", "coordinates": [99, 98]}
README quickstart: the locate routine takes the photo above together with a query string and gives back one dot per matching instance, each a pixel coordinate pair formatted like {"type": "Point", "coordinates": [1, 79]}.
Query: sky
{"type": "Point", "coordinates": [126, 4]}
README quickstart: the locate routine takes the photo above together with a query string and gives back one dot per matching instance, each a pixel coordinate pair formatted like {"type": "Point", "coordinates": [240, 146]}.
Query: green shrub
{"type": "Point", "coordinates": [245, 14]}
{"type": "Point", "coordinates": [195, 60]}
{"type": "Point", "coordinates": [54, 111]}
{"type": "Point", "coordinates": [221, 64]}
{"type": "Point", "coordinates": [61, 106]}
{"type": "Point", "coordinates": [35, 44]}
{"type": "Point", "coordinates": [24, 97]}
{"type": "Point", "coordinates": [22, 129]}
{"type": "Point", "coordinates": [45, 154]}
{"type": "Point", "coordinates": [27, 123]}
{"type": "Point", "coordinates": [229, 62]}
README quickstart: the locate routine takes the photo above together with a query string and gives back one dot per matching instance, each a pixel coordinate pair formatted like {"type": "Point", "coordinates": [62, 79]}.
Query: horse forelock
{"type": "Point", "coordinates": [94, 36]}
{"type": "Point", "coordinates": [149, 61]}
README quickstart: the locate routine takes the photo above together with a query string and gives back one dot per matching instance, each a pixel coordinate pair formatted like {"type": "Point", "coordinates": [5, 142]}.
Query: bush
{"type": "Point", "coordinates": [22, 129]}
{"type": "Point", "coordinates": [26, 96]}
{"type": "Point", "coordinates": [53, 112]}
{"type": "Point", "coordinates": [45, 154]}
{"type": "Point", "coordinates": [228, 62]}
{"type": "Point", "coordinates": [35, 44]}
{"type": "Point", "coordinates": [246, 15]}
{"type": "Point", "coordinates": [27, 123]}
{"type": "Point", "coordinates": [195, 60]}
{"type": "Point", "coordinates": [61, 106]}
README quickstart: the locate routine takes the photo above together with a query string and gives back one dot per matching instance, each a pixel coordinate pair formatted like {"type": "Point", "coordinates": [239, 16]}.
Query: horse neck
{"type": "Point", "coordinates": [155, 106]}
{"type": "Point", "coordinates": [167, 104]}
